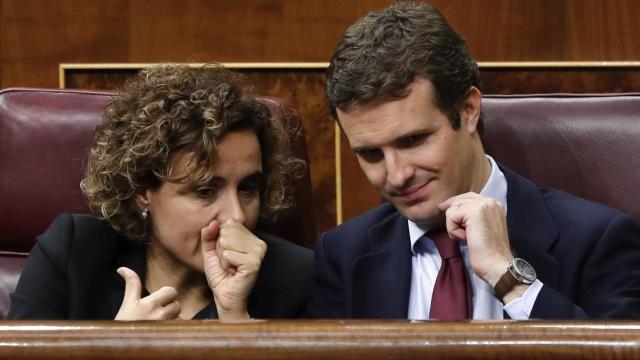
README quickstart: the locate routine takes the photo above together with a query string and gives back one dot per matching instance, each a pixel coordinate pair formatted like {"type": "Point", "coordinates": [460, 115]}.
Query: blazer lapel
{"type": "Point", "coordinates": [382, 277]}
{"type": "Point", "coordinates": [532, 231]}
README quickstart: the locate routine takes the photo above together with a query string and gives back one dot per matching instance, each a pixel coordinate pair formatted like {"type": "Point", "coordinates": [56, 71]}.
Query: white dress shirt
{"type": "Point", "coordinates": [425, 264]}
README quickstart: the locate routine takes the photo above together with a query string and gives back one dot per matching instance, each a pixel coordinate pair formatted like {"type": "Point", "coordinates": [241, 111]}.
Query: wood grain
{"type": "Point", "coordinates": [33, 42]}
{"type": "Point", "coordinates": [320, 339]}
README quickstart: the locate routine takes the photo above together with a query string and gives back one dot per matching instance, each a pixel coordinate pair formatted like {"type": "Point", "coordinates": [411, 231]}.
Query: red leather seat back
{"type": "Point", "coordinates": [587, 145]}
{"type": "Point", "coordinates": [44, 139]}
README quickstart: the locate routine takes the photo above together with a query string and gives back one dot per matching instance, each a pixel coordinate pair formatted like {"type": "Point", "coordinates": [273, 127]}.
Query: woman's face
{"type": "Point", "coordinates": [179, 211]}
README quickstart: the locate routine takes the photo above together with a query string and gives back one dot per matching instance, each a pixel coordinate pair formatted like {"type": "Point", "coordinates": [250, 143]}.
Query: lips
{"type": "Point", "coordinates": [413, 194]}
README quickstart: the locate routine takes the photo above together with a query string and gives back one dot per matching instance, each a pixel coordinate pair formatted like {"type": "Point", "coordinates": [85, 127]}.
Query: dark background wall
{"type": "Point", "coordinates": [37, 35]}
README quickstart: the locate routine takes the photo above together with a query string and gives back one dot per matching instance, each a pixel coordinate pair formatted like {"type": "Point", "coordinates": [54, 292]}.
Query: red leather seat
{"type": "Point", "coordinates": [45, 136]}
{"type": "Point", "coordinates": [587, 145]}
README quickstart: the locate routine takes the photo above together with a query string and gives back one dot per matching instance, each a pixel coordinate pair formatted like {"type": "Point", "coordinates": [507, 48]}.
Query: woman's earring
{"type": "Point", "coordinates": [145, 213]}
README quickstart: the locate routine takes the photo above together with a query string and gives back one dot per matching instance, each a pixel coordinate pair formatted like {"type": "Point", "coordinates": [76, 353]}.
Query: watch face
{"type": "Point", "coordinates": [525, 270]}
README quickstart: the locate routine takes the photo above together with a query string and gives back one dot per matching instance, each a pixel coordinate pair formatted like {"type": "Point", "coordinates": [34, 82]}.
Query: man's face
{"type": "Point", "coordinates": [411, 154]}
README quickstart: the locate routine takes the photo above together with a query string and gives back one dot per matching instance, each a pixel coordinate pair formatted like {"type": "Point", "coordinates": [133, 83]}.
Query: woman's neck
{"type": "Point", "coordinates": [163, 269]}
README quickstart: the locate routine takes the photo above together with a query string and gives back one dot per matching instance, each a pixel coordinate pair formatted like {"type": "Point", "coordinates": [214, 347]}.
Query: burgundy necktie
{"type": "Point", "coordinates": [451, 299]}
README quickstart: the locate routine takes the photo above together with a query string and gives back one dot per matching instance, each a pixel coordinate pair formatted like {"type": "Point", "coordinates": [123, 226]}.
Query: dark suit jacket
{"type": "Point", "coordinates": [71, 274]}
{"type": "Point", "coordinates": [586, 254]}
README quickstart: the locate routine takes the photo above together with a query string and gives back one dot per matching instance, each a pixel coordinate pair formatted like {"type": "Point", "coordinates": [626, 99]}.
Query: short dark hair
{"type": "Point", "coordinates": [169, 109]}
{"type": "Point", "coordinates": [383, 52]}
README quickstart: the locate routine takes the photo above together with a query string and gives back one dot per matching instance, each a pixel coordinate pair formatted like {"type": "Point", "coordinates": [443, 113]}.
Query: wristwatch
{"type": "Point", "coordinates": [518, 272]}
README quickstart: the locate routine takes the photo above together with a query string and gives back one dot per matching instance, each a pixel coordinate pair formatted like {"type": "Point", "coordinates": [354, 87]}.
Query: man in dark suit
{"type": "Point", "coordinates": [460, 236]}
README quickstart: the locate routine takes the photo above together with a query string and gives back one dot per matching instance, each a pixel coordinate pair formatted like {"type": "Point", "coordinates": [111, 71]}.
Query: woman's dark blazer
{"type": "Point", "coordinates": [71, 274]}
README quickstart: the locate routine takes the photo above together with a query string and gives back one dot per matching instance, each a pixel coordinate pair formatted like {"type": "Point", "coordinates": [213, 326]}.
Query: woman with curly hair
{"type": "Point", "coordinates": [182, 168]}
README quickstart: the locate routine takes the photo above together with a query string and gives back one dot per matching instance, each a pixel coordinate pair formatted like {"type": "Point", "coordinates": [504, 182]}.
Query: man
{"type": "Point", "coordinates": [460, 236]}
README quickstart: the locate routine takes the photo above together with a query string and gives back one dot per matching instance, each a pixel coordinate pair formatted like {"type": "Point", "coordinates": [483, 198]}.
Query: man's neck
{"type": "Point", "coordinates": [482, 171]}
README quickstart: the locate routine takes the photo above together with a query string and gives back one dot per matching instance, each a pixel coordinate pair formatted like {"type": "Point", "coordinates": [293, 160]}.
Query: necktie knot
{"type": "Point", "coordinates": [447, 247]}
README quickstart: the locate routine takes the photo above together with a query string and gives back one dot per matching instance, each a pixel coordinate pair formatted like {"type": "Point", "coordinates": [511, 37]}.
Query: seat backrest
{"type": "Point", "coordinates": [45, 135]}
{"type": "Point", "coordinates": [587, 145]}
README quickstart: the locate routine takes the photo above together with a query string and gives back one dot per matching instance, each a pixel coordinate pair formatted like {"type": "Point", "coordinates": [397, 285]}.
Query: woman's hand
{"type": "Point", "coordinates": [160, 305]}
{"type": "Point", "coordinates": [232, 258]}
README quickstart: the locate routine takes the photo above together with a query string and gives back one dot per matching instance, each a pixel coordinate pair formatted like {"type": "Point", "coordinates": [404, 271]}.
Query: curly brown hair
{"type": "Point", "coordinates": [172, 108]}
{"type": "Point", "coordinates": [383, 52]}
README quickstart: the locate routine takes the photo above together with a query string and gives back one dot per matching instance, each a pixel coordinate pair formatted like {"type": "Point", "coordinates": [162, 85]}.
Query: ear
{"type": "Point", "coordinates": [470, 110]}
{"type": "Point", "coordinates": [142, 199]}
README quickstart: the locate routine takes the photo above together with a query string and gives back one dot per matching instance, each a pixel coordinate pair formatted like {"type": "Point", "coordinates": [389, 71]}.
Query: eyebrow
{"type": "Point", "coordinates": [423, 131]}
{"type": "Point", "coordinates": [251, 176]}
{"type": "Point", "coordinates": [256, 174]}
{"type": "Point", "coordinates": [364, 148]}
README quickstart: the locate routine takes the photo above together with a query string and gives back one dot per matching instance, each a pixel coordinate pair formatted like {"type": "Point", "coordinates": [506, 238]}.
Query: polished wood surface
{"type": "Point", "coordinates": [33, 42]}
{"type": "Point", "coordinates": [321, 339]}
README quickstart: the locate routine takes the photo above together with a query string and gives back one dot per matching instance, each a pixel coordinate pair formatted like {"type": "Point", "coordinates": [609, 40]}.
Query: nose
{"type": "Point", "coordinates": [232, 208]}
{"type": "Point", "coordinates": [399, 171]}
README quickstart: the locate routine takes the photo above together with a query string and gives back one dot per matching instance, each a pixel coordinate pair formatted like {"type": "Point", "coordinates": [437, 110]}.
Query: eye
{"type": "Point", "coordinates": [251, 187]}
{"type": "Point", "coordinates": [249, 190]}
{"type": "Point", "coordinates": [370, 155]}
{"type": "Point", "coordinates": [412, 140]}
{"type": "Point", "coordinates": [205, 192]}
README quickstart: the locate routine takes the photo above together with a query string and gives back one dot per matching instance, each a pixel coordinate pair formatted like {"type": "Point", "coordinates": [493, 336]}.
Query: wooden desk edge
{"type": "Point", "coordinates": [313, 339]}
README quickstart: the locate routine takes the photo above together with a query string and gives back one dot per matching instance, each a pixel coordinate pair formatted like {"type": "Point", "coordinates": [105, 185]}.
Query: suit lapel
{"type": "Point", "coordinates": [382, 277]}
{"type": "Point", "coordinates": [532, 231]}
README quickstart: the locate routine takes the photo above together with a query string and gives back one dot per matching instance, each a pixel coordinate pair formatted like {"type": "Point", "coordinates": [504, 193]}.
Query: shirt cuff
{"type": "Point", "coordinates": [520, 308]}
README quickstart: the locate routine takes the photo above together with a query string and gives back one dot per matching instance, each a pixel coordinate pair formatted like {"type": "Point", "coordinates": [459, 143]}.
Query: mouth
{"type": "Point", "coordinates": [412, 194]}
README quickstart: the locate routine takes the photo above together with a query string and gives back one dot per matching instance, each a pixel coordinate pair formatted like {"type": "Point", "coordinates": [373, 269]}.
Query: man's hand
{"type": "Point", "coordinates": [482, 223]}
{"type": "Point", "coordinates": [232, 258]}
{"type": "Point", "coordinates": [160, 305]}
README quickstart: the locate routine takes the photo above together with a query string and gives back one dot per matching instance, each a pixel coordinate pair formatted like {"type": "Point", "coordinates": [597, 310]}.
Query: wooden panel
{"type": "Point", "coordinates": [510, 30]}
{"type": "Point", "coordinates": [543, 80]}
{"type": "Point", "coordinates": [547, 30]}
{"type": "Point", "coordinates": [249, 30]}
{"type": "Point", "coordinates": [34, 41]}
{"type": "Point", "coordinates": [320, 340]}
{"type": "Point", "coordinates": [602, 29]}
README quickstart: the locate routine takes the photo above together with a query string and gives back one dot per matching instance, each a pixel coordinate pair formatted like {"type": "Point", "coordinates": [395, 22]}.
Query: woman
{"type": "Point", "coordinates": [183, 166]}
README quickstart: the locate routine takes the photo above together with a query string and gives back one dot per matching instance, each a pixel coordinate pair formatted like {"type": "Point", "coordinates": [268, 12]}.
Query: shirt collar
{"type": "Point", "coordinates": [495, 188]}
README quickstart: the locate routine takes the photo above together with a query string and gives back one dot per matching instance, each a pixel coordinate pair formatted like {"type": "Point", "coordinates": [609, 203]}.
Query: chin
{"type": "Point", "coordinates": [421, 213]}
